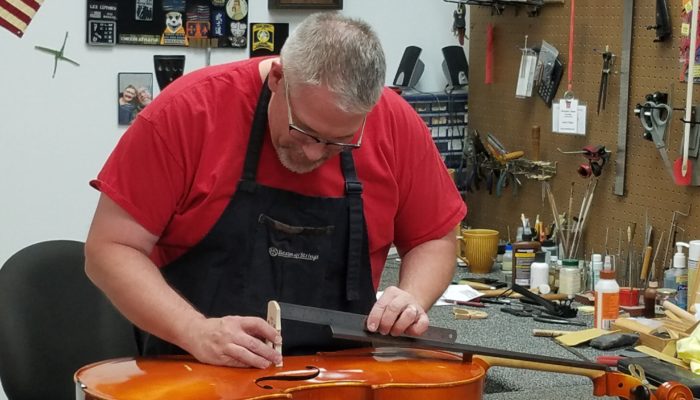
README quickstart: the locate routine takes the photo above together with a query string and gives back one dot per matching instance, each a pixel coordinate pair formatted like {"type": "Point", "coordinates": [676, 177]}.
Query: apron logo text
{"type": "Point", "coordinates": [275, 252]}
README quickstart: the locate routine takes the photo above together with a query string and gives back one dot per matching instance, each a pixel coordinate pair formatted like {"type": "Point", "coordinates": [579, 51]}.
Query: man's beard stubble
{"type": "Point", "coordinates": [285, 155]}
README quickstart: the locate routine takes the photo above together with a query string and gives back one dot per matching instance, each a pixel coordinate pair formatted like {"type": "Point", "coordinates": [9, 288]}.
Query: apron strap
{"type": "Point", "coordinates": [257, 135]}
{"type": "Point", "coordinates": [353, 192]}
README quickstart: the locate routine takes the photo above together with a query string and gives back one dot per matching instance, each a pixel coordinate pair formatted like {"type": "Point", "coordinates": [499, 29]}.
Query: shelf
{"type": "Point", "coordinates": [533, 6]}
{"type": "Point", "coordinates": [446, 114]}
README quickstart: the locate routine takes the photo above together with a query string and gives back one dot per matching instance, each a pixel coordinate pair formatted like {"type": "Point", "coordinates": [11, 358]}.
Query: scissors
{"type": "Point", "coordinates": [463, 313]}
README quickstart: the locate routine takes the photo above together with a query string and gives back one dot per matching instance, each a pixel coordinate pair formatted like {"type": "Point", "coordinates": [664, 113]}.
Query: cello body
{"type": "Point", "coordinates": [386, 373]}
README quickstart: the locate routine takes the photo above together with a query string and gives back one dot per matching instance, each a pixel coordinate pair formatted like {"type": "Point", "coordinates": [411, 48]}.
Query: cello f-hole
{"type": "Point", "coordinates": [315, 371]}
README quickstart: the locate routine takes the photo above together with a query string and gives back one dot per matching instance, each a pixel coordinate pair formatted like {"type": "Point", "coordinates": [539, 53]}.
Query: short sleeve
{"type": "Point", "coordinates": [430, 205]}
{"type": "Point", "coordinates": [142, 176]}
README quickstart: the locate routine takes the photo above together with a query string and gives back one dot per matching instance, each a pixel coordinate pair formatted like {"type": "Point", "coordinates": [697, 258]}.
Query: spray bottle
{"type": "Point", "coordinates": [677, 277]}
{"type": "Point", "coordinates": [607, 297]}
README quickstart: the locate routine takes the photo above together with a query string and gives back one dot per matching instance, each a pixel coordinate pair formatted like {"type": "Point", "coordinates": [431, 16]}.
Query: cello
{"type": "Point", "coordinates": [402, 367]}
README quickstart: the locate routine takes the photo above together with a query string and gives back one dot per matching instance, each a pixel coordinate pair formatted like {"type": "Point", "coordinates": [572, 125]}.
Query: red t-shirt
{"type": "Point", "coordinates": [177, 166]}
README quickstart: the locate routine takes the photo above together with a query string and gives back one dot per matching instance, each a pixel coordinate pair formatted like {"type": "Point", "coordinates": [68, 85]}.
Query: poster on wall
{"type": "Point", "coordinates": [267, 39]}
{"type": "Point", "coordinates": [192, 23]}
{"type": "Point", "coordinates": [135, 92]}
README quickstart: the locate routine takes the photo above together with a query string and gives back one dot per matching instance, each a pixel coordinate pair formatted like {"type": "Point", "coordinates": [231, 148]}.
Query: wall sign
{"type": "Point", "coordinates": [193, 23]}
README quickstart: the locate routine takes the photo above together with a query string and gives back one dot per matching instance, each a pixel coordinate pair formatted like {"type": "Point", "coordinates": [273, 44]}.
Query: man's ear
{"type": "Point", "coordinates": [274, 77]}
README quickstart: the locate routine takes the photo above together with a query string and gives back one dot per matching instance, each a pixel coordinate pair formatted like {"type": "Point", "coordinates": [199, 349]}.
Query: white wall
{"type": "Point", "coordinates": [55, 134]}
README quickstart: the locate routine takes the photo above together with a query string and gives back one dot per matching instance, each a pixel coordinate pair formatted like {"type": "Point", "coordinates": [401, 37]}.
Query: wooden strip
{"type": "Point", "coordinates": [661, 356]}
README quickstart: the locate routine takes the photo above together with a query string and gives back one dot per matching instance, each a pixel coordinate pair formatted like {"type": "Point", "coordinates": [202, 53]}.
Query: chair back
{"type": "Point", "coordinates": [53, 320]}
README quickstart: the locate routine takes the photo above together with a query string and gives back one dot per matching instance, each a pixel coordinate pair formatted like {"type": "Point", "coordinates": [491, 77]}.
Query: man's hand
{"type": "Point", "coordinates": [233, 341]}
{"type": "Point", "coordinates": [397, 312]}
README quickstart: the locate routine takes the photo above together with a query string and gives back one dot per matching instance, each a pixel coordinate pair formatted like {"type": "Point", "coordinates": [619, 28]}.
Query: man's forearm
{"type": "Point", "coordinates": [428, 268]}
{"type": "Point", "coordinates": [136, 287]}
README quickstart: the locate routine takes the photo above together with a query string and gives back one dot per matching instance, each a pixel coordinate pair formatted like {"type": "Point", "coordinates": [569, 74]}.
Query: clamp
{"type": "Point", "coordinates": [597, 156]}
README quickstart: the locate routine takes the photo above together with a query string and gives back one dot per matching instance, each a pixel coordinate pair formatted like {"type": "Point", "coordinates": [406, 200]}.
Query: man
{"type": "Point", "coordinates": [274, 179]}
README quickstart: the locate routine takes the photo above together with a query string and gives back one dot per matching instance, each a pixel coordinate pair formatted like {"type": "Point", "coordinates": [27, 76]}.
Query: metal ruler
{"type": "Point", "coordinates": [346, 320]}
{"type": "Point", "coordinates": [621, 157]}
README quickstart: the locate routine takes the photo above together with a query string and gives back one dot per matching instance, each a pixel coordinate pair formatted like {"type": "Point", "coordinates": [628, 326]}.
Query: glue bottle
{"type": "Point", "coordinates": [677, 277]}
{"type": "Point", "coordinates": [607, 297]}
{"type": "Point", "coordinates": [596, 266]}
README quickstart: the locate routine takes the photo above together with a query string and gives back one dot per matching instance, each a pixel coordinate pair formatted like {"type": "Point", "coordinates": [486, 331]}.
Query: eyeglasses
{"type": "Point", "coordinates": [301, 135]}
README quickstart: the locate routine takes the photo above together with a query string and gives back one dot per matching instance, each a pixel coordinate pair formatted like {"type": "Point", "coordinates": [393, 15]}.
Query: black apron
{"type": "Point", "coordinates": [272, 244]}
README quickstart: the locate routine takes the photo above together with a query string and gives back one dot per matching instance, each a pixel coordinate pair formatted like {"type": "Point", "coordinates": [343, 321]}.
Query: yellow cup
{"type": "Point", "coordinates": [481, 246]}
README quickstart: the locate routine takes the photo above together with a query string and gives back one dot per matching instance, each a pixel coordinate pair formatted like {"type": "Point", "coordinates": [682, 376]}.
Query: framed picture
{"type": "Point", "coordinates": [134, 93]}
{"type": "Point", "coordinates": [308, 4]}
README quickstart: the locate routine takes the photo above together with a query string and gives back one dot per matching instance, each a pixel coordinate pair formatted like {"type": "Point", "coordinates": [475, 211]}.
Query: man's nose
{"type": "Point", "coordinates": [314, 151]}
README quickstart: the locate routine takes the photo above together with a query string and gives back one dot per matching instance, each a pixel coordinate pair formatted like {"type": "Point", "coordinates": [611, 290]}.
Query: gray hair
{"type": "Point", "coordinates": [341, 53]}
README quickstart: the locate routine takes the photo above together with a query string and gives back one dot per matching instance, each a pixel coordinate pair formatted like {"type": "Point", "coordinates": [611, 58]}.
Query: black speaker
{"type": "Point", "coordinates": [455, 66]}
{"type": "Point", "coordinates": [410, 68]}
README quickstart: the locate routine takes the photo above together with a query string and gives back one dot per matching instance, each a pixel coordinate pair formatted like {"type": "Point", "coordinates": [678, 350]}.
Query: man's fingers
{"type": "Point", "coordinates": [241, 356]}
{"type": "Point", "coordinates": [374, 318]}
{"type": "Point", "coordinates": [420, 326]}
{"type": "Point", "coordinates": [258, 327]}
{"type": "Point", "coordinates": [408, 317]}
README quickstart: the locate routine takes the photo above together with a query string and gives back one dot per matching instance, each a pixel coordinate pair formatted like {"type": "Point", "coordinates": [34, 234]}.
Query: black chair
{"type": "Point", "coordinates": [53, 321]}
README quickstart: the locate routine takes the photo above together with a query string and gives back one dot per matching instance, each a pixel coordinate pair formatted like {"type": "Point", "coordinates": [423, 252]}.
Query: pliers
{"type": "Point", "coordinates": [608, 59]}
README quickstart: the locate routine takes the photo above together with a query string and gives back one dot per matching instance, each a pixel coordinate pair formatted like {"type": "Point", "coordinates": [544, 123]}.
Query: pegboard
{"type": "Point", "coordinates": [649, 190]}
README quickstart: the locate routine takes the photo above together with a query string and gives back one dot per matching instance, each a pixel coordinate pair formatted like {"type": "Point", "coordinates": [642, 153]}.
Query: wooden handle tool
{"type": "Point", "coordinates": [548, 333]}
{"type": "Point", "coordinates": [681, 313]}
{"type": "Point", "coordinates": [645, 264]}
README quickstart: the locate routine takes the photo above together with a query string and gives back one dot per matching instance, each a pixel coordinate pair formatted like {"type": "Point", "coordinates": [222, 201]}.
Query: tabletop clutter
{"type": "Point", "coordinates": [650, 321]}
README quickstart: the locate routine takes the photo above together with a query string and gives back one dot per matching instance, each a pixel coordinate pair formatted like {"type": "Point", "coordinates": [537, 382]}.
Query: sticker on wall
{"type": "Point", "coordinates": [174, 5]}
{"type": "Point", "coordinates": [267, 39]}
{"type": "Point", "coordinates": [102, 23]}
{"type": "Point", "coordinates": [16, 15]}
{"type": "Point", "coordinates": [218, 23]}
{"type": "Point", "coordinates": [144, 10]}
{"type": "Point", "coordinates": [174, 32]}
{"type": "Point", "coordinates": [237, 9]}
{"type": "Point", "coordinates": [238, 37]}
{"type": "Point", "coordinates": [198, 25]}
{"type": "Point", "coordinates": [135, 92]}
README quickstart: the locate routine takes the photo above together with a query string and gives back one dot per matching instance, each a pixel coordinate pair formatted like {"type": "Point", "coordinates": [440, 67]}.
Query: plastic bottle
{"type": "Point", "coordinates": [569, 277]}
{"type": "Point", "coordinates": [693, 261]}
{"type": "Point", "coordinates": [523, 257]}
{"type": "Point", "coordinates": [507, 264]}
{"type": "Point", "coordinates": [650, 300]}
{"type": "Point", "coordinates": [607, 297]}
{"type": "Point", "coordinates": [596, 267]}
{"type": "Point", "coordinates": [539, 271]}
{"type": "Point", "coordinates": [677, 277]}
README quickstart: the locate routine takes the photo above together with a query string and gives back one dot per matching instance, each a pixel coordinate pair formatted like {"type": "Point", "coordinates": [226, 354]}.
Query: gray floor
{"type": "Point", "coordinates": [508, 332]}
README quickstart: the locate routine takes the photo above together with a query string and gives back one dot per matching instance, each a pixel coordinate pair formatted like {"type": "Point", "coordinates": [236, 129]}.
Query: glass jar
{"type": "Point", "coordinates": [569, 278]}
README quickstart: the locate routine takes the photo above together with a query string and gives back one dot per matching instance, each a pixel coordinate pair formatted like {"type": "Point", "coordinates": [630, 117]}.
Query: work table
{"type": "Point", "coordinates": [508, 332]}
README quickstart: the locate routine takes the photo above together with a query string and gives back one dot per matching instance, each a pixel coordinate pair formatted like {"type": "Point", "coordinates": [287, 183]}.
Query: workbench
{"type": "Point", "coordinates": [508, 332]}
